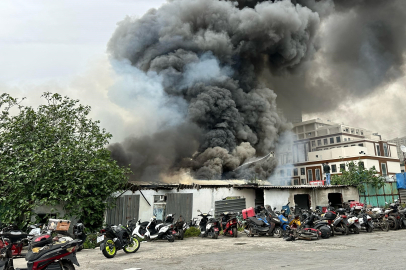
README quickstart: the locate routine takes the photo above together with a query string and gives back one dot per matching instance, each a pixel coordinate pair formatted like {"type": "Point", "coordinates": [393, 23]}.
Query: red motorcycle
{"type": "Point", "coordinates": [229, 224]}
{"type": "Point", "coordinates": [15, 238]}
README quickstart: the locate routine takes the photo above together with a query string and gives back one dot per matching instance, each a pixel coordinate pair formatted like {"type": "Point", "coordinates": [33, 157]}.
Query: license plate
{"type": "Point", "coordinates": [100, 239]}
{"type": "Point", "coordinates": [216, 229]}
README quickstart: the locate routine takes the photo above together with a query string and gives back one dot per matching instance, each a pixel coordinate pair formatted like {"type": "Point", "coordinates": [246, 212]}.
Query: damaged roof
{"type": "Point", "coordinates": [198, 184]}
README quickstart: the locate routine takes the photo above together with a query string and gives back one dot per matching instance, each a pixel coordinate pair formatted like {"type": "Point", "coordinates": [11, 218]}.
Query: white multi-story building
{"type": "Point", "coordinates": [318, 141]}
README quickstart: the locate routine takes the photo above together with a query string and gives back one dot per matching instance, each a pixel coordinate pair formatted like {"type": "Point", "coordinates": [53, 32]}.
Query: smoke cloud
{"type": "Point", "coordinates": [205, 69]}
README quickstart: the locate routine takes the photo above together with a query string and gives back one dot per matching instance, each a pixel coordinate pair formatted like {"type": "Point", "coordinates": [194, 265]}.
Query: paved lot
{"type": "Point", "coordinates": [377, 250]}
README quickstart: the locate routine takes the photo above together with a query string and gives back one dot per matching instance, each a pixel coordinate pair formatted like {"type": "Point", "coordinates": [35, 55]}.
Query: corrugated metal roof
{"type": "Point", "coordinates": [197, 184]}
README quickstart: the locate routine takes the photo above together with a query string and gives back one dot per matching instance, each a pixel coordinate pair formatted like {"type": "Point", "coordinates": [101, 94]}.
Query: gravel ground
{"type": "Point", "coordinates": [377, 250]}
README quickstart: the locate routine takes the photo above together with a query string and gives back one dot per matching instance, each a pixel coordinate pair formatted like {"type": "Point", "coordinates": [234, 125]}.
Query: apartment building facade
{"type": "Point", "coordinates": [318, 141]}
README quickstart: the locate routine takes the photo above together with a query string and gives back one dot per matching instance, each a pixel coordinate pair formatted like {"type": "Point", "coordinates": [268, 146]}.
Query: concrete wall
{"type": "Point", "coordinates": [318, 196]}
{"type": "Point", "coordinates": [393, 167]}
{"type": "Point", "coordinates": [203, 199]}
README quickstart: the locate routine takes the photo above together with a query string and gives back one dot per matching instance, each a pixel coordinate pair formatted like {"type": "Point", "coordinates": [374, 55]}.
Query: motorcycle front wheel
{"type": "Point", "coordinates": [170, 238]}
{"type": "Point", "coordinates": [385, 226]}
{"type": "Point", "coordinates": [68, 266]}
{"type": "Point", "coordinates": [277, 233]}
{"type": "Point", "coordinates": [109, 250]}
{"type": "Point", "coordinates": [133, 247]}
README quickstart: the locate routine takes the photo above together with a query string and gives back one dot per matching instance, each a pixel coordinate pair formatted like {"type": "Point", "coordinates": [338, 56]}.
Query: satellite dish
{"type": "Point", "coordinates": [403, 148]}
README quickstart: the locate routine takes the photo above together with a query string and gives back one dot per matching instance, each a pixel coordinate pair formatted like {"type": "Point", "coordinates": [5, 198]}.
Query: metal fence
{"type": "Point", "coordinates": [377, 197]}
{"type": "Point", "coordinates": [127, 207]}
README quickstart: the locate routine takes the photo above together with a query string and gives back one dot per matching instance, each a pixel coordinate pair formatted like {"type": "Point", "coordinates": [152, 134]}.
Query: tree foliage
{"type": "Point", "coordinates": [356, 175]}
{"type": "Point", "coordinates": [55, 155]}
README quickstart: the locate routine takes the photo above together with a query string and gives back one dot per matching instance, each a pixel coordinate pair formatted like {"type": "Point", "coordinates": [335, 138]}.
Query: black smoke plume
{"type": "Point", "coordinates": [220, 59]}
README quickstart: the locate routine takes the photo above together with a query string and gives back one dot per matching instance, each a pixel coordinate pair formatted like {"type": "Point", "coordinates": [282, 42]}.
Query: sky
{"type": "Point", "coordinates": [60, 46]}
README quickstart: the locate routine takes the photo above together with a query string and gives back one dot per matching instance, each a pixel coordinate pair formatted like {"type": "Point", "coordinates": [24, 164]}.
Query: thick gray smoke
{"type": "Point", "coordinates": [208, 53]}
{"type": "Point", "coordinates": [360, 50]}
{"type": "Point", "coordinates": [217, 61]}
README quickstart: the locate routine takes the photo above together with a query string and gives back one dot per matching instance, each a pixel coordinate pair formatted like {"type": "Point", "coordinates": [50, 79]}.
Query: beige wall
{"type": "Point", "coordinates": [318, 196]}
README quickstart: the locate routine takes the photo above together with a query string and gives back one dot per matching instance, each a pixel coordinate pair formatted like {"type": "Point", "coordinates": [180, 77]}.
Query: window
{"type": "Point", "coordinates": [289, 173]}
{"type": "Point", "coordinates": [331, 140]}
{"type": "Point", "coordinates": [342, 167]}
{"type": "Point", "coordinates": [338, 139]}
{"type": "Point", "coordinates": [361, 165]}
{"type": "Point", "coordinates": [352, 144]}
{"type": "Point", "coordinates": [309, 175]}
{"type": "Point", "coordinates": [282, 173]}
{"type": "Point", "coordinates": [325, 141]}
{"type": "Point", "coordinates": [345, 145]}
{"type": "Point", "coordinates": [349, 139]}
{"type": "Point", "coordinates": [318, 177]}
{"type": "Point", "coordinates": [318, 142]}
{"type": "Point", "coordinates": [383, 169]}
{"type": "Point", "coordinates": [357, 131]}
{"type": "Point", "coordinates": [352, 131]}
{"type": "Point", "coordinates": [385, 150]}
{"type": "Point", "coordinates": [345, 139]}
{"type": "Point", "coordinates": [378, 150]}
{"type": "Point", "coordinates": [361, 144]}
{"type": "Point", "coordinates": [295, 172]}
{"type": "Point", "coordinates": [313, 143]}
{"type": "Point", "coordinates": [302, 171]}
{"type": "Point", "coordinates": [333, 168]}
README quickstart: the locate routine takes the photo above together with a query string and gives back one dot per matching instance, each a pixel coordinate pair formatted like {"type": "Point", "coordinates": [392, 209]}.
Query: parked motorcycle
{"type": "Point", "coordinates": [340, 223]}
{"type": "Point", "coordinates": [209, 227]}
{"type": "Point", "coordinates": [312, 220]}
{"type": "Point", "coordinates": [257, 225]}
{"type": "Point", "coordinates": [139, 229]}
{"type": "Point", "coordinates": [42, 254]}
{"type": "Point", "coordinates": [229, 224]}
{"type": "Point", "coordinates": [114, 238]}
{"type": "Point", "coordinates": [79, 234]}
{"type": "Point", "coordinates": [379, 218]}
{"type": "Point", "coordinates": [301, 229]}
{"type": "Point", "coordinates": [366, 222]}
{"type": "Point", "coordinates": [158, 230]}
{"type": "Point", "coordinates": [394, 217]}
{"type": "Point", "coordinates": [353, 221]}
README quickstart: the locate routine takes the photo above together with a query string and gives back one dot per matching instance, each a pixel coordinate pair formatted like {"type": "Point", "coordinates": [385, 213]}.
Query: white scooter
{"type": "Point", "coordinates": [155, 230]}
{"type": "Point", "coordinates": [353, 221]}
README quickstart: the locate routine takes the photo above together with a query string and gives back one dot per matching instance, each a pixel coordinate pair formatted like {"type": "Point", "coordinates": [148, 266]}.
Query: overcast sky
{"type": "Point", "coordinates": [47, 39]}
{"type": "Point", "coordinates": [60, 46]}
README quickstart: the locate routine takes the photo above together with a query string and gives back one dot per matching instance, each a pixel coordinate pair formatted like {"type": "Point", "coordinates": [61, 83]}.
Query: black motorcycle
{"type": "Point", "coordinates": [209, 227]}
{"type": "Point", "coordinates": [43, 254]}
{"type": "Point", "coordinates": [114, 238]}
{"type": "Point", "coordinates": [80, 235]}
{"type": "Point", "coordinates": [312, 220]}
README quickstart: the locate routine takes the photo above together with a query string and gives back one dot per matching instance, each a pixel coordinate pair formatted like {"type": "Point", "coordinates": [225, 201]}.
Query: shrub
{"type": "Point", "coordinates": [192, 232]}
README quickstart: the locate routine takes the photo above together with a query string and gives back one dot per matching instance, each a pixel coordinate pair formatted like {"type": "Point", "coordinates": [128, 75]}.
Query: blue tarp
{"type": "Point", "coordinates": [401, 180]}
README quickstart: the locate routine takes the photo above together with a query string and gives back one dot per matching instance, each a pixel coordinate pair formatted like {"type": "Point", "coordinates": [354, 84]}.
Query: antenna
{"type": "Point", "coordinates": [403, 148]}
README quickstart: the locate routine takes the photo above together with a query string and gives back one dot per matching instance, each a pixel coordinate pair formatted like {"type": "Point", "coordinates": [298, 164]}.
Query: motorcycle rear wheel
{"type": "Point", "coordinates": [393, 224]}
{"type": "Point", "coordinates": [135, 245]}
{"type": "Point", "coordinates": [355, 230]}
{"type": "Point", "coordinates": [109, 252]}
{"type": "Point", "coordinates": [235, 232]}
{"type": "Point", "coordinates": [370, 229]}
{"type": "Point", "coordinates": [67, 266]}
{"type": "Point", "coordinates": [171, 238]}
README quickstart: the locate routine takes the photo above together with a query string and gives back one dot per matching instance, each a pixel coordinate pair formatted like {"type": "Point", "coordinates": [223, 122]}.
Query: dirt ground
{"type": "Point", "coordinates": [376, 250]}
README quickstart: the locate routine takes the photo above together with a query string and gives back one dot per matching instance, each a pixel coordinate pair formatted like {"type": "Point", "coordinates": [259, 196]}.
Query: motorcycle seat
{"type": "Point", "coordinates": [256, 221]}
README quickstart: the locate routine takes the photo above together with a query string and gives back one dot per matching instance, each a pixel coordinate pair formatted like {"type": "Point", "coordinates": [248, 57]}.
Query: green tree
{"type": "Point", "coordinates": [356, 175]}
{"type": "Point", "coordinates": [55, 155]}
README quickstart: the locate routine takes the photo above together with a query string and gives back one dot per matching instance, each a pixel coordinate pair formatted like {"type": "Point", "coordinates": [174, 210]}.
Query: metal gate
{"type": "Point", "coordinates": [377, 197]}
{"type": "Point", "coordinates": [180, 204]}
{"type": "Point", "coordinates": [236, 205]}
{"type": "Point", "coordinates": [127, 207]}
